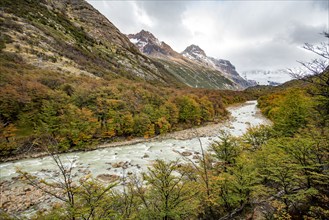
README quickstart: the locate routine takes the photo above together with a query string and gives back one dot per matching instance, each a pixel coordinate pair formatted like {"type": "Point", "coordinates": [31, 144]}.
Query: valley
{"type": "Point", "coordinates": [117, 162]}
{"type": "Point", "coordinates": [104, 120]}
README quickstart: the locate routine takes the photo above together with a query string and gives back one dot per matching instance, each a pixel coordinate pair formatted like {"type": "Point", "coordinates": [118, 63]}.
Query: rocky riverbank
{"type": "Point", "coordinates": [16, 198]}
{"type": "Point", "coordinates": [209, 129]}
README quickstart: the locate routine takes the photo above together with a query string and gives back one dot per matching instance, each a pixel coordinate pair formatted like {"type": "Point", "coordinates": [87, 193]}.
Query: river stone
{"type": "Point", "coordinates": [186, 153]}
{"type": "Point", "coordinates": [146, 156]}
{"type": "Point", "coordinates": [107, 177]}
{"type": "Point", "coordinates": [118, 165]}
{"type": "Point", "coordinates": [196, 157]}
{"type": "Point", "coordinates": [26, 189]}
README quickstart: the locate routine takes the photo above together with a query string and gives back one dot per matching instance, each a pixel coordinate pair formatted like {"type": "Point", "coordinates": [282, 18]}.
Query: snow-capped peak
{"type": "Point", "coordinates": [194, 50]}
{"type": "Point", "coordinates": [144, 37]}
{"type": "Point", "coordinates": [147, 43]}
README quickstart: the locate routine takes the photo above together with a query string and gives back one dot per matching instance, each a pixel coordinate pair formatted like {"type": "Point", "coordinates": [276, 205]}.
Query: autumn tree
{"type": "Point", "coordinates": [226, 149]}
{"type": "Point", "coordinates": [170, 111]}
{"type": "Point", "coordinates": [189, 110]}
{"type": "Point", "coordinates": [142, 124]}
{"type": "Point", "coordinates": [167, 194]}
{"type": "Point", "coordinates": [162, 125]}
{"type": "Point", "coordinates": [256, 136]}
{"type": "Point", "coordinates": [292, 113]}
{"type": "Point", "coordinates": [207, 109]}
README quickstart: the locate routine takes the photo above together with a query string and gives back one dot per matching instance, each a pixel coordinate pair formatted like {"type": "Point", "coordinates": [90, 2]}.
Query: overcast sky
{"type": "Point", "coordinates": [251, 34]}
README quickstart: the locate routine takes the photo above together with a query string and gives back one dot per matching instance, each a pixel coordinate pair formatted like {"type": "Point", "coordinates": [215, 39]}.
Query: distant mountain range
{"type": "Point", "coordinates": [199, 70]}
{"type": "Point", "coordinates": [266, 77]}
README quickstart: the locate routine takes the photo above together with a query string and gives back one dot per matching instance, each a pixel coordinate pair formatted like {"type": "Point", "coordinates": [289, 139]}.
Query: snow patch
{"type": "Point", "coordinates": [134, 40]}
{"type": "Point", "coordinates": [263, 77]}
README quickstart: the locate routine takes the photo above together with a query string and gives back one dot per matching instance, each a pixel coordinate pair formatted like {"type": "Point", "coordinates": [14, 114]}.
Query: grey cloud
{"type": "Point", "coordinates": [120, 13]}
{"type": "Point", "coordinates": [167, 17]}
{"type": "Point", "coordinates": [301, 34]}
{"type": "Point", "coordinates": [268, 56]}
{"type": "Point", "coordinates": [322, 4]}
{"type": "Point", "coordinates": [252, 34]}
{"type": "Point", "coordinates": [163, 11]}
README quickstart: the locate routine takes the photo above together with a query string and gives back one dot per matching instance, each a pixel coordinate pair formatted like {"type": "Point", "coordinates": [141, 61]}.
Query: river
{"type": "Point", "coordinates": [109, 161]}
{"type": "Point", "coordinates": [137, 157]}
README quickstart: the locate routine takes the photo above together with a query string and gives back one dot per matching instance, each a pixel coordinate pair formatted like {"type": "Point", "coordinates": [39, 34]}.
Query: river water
{"type": "Point", "coordinates": [136, 157]}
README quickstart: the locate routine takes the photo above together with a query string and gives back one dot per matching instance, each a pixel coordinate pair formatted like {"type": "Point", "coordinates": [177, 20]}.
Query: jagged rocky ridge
{"type": "Point", "coordinates": [195, 53]}
{"type": "Point", "coordinates": [150, 45]}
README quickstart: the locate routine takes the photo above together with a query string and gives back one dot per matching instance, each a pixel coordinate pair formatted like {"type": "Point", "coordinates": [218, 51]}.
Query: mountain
{"type": "Point", "coordinates": [267, 77]}
{"type": "Point", "coordinates": [195, 53]}
{"type": "Point", "coordinates": [150, 45]}
{"type": "Point", "coordinates": [192, 66]}
{"type": "Point", "coordinates": [72, 37]}
{"type": "Point", "coordinates": [186, 70]}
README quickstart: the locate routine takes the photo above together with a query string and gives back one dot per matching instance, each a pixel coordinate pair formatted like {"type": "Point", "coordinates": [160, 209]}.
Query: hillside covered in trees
{"type": "Point", "coordinates": [79, 111]}
{"type": "Point", "coordinates": [66, 79]}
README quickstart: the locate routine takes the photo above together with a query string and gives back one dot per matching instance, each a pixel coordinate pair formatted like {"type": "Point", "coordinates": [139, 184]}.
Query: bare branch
{"type": "Point", "coordinates": [317, 66]}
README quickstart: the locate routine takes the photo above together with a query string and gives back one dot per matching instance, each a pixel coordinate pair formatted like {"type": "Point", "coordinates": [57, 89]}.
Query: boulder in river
{"type": "Point", "coordinates": [196, 157]}
{"type": "Point", "coordinates": [146, 156]}
{"type": "Point", "coordinates": [107, 177]}
{"type": "Point", "coordinates": [118, 165]}
{"type": "Point", "coordinates": [186, 153]}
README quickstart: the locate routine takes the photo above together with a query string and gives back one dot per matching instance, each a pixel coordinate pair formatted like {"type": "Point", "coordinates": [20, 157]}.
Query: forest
{"type": "Point", "coordinates": [79, 112]}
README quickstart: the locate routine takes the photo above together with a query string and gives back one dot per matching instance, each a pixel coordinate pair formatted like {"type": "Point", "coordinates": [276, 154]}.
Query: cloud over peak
{"type": "Point", "coordinates": [252, 34]}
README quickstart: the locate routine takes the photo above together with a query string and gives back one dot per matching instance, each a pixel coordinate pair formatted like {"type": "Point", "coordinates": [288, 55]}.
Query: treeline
{"type": "Point", "coordinates": [272, 172]}
{"type": "Point", "coordinates": [79, 111]}
{"type": "Point", "coordinates": [295, 161]}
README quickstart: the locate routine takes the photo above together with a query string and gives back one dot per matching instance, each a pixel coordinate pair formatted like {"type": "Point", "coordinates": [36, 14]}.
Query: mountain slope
{"type": "Point", "coordinates": [72, 37]}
